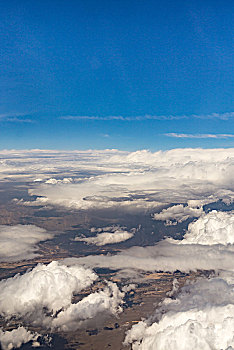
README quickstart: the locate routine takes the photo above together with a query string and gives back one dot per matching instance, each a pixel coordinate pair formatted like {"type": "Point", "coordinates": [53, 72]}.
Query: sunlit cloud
{"type": "Point", "coordinates": [222, 116]}
{"type": "Point", "coordinates": [199, 136]}
{"type": "Point", "coordinates": [107, 235]}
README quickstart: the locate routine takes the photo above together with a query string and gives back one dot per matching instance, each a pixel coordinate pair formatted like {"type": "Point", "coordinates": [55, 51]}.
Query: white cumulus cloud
{"type": "Point", "coordinates": [178, 213]}
{"type": "Point", "coordinates": [201, 317]}
{"type": "Point", "coordinates": [212, 228]}
{"type": "Point", "coordinates": [110, 235]}
{"type": "Point", "coordinates": [44, 297]}
{"type": "Point", "coordinates": [46, 286]}
{"type": "Point", "coordinates": [202, 314]}
{"type": "Point", "coordinates": [17, 337]}
{"type": "Point", "coordinates": [76, 315]}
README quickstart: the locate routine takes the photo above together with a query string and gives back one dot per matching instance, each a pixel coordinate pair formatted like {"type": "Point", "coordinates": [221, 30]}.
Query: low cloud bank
{"type": "Point", "coordinates": [108, 178]}
{"type": "Point", "coordinates": [207, 245]}
{"type": "Point", "coordinates": [167, 255]}
{"type": "Point", "coordinates": [110, 235]}
{"type": "Point", "coordinates": [19, 242]}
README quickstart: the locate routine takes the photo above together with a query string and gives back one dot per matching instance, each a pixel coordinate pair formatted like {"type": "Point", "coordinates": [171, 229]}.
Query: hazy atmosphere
{"type": "Point", "coordinates": [116, 175]}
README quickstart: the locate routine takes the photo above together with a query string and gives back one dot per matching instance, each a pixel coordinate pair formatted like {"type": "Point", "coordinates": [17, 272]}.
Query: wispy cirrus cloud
{"type": "Point", "coordinates": [15, 117]}
{"type": "Point", "coordinates": [222, 116]}
{"type": "Point", "coordinates": [199, 136]}
{"type": "Point", "coordinates": [122, 118]}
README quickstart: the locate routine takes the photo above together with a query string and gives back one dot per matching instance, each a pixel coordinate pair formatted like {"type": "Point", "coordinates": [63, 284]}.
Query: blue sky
{"type": "Point", "coordinates": [116, 74]}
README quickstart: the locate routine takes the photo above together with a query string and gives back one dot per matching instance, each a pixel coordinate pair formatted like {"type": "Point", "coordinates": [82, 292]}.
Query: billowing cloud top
{"type": "Point", "coordinates": [17, 337]}
{"type": "Point", "coordinates": [201, 317]}
{"type": "Point", "coordinates": [51, 286]}
{"type": "Point", "coordinates": [44, 297]}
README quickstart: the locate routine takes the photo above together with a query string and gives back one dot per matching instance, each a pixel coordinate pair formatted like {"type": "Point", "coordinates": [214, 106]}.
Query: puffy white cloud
{"type": "Point", "coordinates": [108, 300]}
{"type": "Point", "coordinates": [43, 297]}
{"type": "Point", "coordinates": [53, 181]}
{"type": "Point", "coordinates": [110, 235]}
{"type": "Point", "coordinates": [212, 228]}
{"type": "Point", "coordinates": [17, 337]}
{"type": "Point", "coordinates": [202, 314]}
{"type": "Point", "coordinates": [201, 317]}
{"type": "Point", "coordinates": [46, 286]}
{"type": "Point", "coordinates": [19, 242]}
{"type": "Point", "coordinates": [178, 213]}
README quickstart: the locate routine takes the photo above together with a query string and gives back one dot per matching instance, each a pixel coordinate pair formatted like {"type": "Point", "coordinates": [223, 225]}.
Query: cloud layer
{"type": "Point", "coordinates": [112, 178]}
{"type": "Point", "coordinates": [207, 245]}
{"type": "Point", "coordinates": [202, 314]}
{"type": "Point", "coordinates": [19, 242]}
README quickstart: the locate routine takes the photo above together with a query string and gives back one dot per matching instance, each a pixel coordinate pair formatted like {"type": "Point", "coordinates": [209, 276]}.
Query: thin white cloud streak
{"type": "Point", "coordinates": [19, 242]}
{"type": "Point", "coordinates": [122, 118]}
{"type": "Point", "coordinates": [165, 256]}
{"type": "Point", "coordinates": [222, 116]}
{"type": "Point", "coordinates": [15, 117]}
{"type": "Point", "coordinates": [200, 136]}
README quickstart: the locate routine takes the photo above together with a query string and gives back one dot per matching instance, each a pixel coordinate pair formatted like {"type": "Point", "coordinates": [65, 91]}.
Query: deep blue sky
{"type": "Point", "coordinates": [116, 58]}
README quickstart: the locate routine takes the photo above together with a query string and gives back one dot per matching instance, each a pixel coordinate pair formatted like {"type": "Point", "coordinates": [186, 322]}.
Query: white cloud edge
{"type": "Point", "coordinates": [222, 116]}
{"type": "Point", "coordinates": [199, 136]}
